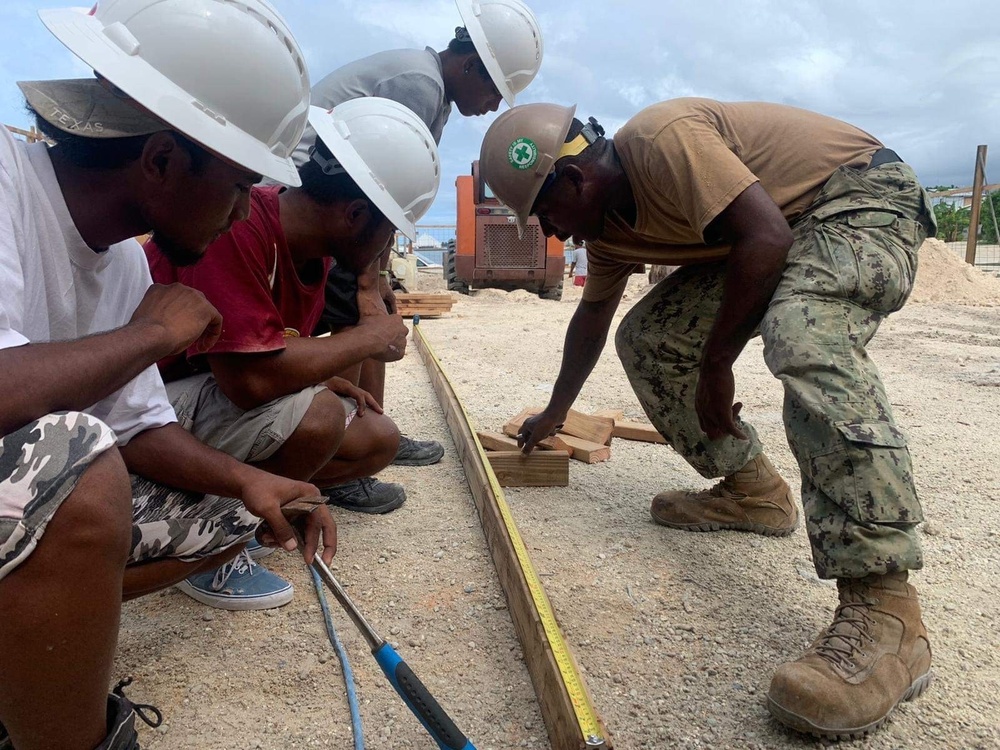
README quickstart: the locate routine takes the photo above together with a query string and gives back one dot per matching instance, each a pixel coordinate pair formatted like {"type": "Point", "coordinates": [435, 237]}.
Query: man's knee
{"type": "Point", "coordinates": [385, 435]}
{"type": "Point", "coordinates": [323, 425]}
{"type": "Point", "coordinates": [97, 515]}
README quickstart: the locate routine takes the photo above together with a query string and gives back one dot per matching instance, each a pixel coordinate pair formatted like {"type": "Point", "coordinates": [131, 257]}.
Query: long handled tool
{"type": "Point", "coordinates": [417, 697]}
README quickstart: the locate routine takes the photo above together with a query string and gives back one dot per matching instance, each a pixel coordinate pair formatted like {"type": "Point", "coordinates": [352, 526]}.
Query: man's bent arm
{"type": "Point", "coordinates": [585, 339]}
{"type": "Point", "coordinates": [250, 380]}
{"type": "Point", "coordinates": [760, 238]}
{"type": "Point", "coordinates": [173, 457]}
{"type": "Point", "coordinates": [38, 379]}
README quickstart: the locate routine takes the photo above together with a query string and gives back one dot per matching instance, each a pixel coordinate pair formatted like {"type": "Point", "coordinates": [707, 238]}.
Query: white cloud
{"type": "Point", "coordinates": [919, 74]}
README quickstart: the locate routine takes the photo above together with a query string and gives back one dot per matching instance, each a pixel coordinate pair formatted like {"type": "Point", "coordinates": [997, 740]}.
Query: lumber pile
{"type": "Point", "coordinates": [424, 305]}
{"type": "Point", "coordinates": [585, 437]}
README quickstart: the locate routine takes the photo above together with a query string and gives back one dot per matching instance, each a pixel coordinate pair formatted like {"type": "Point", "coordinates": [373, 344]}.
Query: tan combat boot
{"type": "Point", "coordinates": [874, 656]}
{"type": "Point", "coordinates": [755, 498]}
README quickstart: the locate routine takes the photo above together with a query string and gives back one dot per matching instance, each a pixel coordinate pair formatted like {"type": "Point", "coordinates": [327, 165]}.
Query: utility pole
{"type": "Point", "coordinates": [977, 202]}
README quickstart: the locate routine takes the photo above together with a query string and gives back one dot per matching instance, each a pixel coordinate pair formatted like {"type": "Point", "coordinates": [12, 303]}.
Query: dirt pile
{"type": "Point", "coordinates": [942, 276]}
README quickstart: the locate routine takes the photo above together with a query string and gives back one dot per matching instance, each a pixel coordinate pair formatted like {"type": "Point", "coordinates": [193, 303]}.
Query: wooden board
{"type": "Point", "coordinates": [554, 700]}
{"type": "Point", "coordinates": [585, 450]}
{"type": "Point", "coordinates": [614, 414]}
{"type": "Point", "coordinates": [494, 441]}
{"type": "Point", "coordinates": [641, 431]}
{"type": "Point", "coordinates": [588, 451]}
{"type": "Point", "coordinates": [537, 469]}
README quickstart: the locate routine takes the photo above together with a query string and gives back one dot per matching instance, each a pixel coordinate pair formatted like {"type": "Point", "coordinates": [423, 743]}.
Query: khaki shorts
{"type": "Point", "coordinates": [251, 436]}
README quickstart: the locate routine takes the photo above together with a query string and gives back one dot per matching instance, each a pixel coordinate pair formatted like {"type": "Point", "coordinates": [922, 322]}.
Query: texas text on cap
{"type": "Point", "coordinates": [87, 107]}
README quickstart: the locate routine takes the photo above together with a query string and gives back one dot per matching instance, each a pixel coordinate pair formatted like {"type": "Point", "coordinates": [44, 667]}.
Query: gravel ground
{"type": "Point", "coordinates": [677, 633]}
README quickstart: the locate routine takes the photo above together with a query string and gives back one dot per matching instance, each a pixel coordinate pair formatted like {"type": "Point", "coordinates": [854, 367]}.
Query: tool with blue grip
{"type": "Point", "coordinates": [417, 697]}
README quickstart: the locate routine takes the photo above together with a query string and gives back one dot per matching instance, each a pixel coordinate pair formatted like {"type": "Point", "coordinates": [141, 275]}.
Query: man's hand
{"type": "Point", "coordinates": [390, 332]}
{"type": "Point", "coordinates": [264, 495]}
{"type": "Point", "coordinates": [714, 402]}
{"type": "Point", "coordinates": [537, 428]}
{"type": "Point", "coordinates": [343, 387]}
{"type": "Point", "coordinates": [182, 315]}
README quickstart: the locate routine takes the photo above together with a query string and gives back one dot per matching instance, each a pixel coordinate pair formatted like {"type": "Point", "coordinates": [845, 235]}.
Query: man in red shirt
{"type": "Point", "coordinates": [374, 170]}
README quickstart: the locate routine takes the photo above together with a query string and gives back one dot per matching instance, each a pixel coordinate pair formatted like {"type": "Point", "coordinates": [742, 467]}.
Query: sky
{"type": "Point", "coordinates": [921, 75]}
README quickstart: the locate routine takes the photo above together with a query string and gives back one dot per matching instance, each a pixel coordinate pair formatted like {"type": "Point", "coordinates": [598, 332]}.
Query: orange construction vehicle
{"type": "Point", "coordinates": [488, 253]}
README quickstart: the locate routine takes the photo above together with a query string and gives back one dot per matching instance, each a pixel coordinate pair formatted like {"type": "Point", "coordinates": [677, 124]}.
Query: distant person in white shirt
{"type": "Point", "coordinates": [578, 267]}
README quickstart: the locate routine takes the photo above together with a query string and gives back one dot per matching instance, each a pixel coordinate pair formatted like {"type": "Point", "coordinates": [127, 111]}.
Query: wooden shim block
{"type": "Point", "coordinates": [494, 441]}
{"type": "Point", "coordinates": [586, 450]}
{"type": "Point", "coordinates": [554, 701]}
{"type": "Point", "coordinates": [594, 429]}
{"type": "Point", "coordinates": [614, 414]}
{"type": "Point", "coordinates": [537, 469]}
{"type": "Point", "coordinates": [554, 443]}
{"type": "Point", "coordinates": [641, 431]}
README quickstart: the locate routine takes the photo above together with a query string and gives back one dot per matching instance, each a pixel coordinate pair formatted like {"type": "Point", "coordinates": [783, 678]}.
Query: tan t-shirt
{"type": "Point", "coordinates": [688, 159]}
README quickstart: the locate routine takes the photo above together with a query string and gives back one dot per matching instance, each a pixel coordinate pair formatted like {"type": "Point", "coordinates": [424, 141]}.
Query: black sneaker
{"type": "Point", "coordinates": [418, 452]}
{"type": "Point", "coordinates": [366, 495]}
{"type": "Point", "coordinates": [121, 719]}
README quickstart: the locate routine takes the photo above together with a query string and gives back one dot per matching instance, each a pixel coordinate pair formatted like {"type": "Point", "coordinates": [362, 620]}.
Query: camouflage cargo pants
{"type": "Point", "coordinates": [852, 263]}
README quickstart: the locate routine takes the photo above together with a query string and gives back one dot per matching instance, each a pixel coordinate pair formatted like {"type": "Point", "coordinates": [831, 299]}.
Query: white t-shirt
{"type": "Point", "coordinates": [580, 256]}
{"type": "Point", "coordinates": [53, 287]}
{"type": "Point", "coordinates": [411, 77]}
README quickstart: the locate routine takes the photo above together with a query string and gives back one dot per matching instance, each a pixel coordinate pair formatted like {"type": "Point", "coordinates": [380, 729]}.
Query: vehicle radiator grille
{"type": "Point", "coordinates": [502, 249]}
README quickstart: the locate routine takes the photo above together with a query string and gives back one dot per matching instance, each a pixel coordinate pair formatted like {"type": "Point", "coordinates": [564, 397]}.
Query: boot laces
{"type": "Point", "coordinates": [242, 563]}
{"type": "Point", "coordinates": [849, 632]}
{"type": "Point", "coordinates": [143, 710]}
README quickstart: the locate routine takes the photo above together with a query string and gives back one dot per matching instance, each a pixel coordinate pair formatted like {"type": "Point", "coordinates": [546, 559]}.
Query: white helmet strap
{"type": "Point", "coordinates": [330, 167]}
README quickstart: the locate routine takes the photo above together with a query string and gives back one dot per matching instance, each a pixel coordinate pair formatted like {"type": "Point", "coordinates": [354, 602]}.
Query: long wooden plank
{"type": "Point", "coordinates": [562, 717]}
{"type": "Point", "coordinates": [538, 469]}
{"type": "Point", "coordinates": [641, 431]}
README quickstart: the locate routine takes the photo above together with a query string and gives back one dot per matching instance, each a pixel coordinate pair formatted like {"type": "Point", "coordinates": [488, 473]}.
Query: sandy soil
{"type": "Point", "coordinates": [678, 633]}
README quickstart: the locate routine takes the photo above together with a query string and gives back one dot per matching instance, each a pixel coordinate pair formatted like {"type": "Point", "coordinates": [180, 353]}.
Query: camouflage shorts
{"type": "Point", "coordinates": [40, 465]}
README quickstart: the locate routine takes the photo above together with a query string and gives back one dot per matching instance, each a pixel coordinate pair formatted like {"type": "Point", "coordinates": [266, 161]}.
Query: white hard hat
{"type": "Point", "coordinates": [228, 75]}
{"type": "Point", "coordinates": [387, 150]}
{"type": "Point", "coordinates": [509, 42]}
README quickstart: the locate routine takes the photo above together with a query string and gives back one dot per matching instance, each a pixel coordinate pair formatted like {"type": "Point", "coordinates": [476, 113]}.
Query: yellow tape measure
{"type": "Point", "coordinates": [586, 716]}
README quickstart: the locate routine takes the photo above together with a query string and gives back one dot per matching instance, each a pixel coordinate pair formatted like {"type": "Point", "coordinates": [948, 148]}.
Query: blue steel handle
{"type": "Point", "coordinates": [420, 701]}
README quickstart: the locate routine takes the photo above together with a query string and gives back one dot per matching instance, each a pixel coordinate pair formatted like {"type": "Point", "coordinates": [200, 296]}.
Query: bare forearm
{"type": "Point", "coordinates": [37, 379]}
{"type": "Point", "coordinates": [585, 339]}
{"type": "Point", "coordinates": [251, 380]}
{"type": "Point", "coordinates": [753, 272]}
{"type": "Point", "coordinates": [172, 456]}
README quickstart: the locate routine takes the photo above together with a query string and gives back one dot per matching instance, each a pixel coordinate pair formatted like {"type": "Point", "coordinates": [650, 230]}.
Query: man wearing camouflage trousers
{"type": "Point", "coordinates": [788, 224]}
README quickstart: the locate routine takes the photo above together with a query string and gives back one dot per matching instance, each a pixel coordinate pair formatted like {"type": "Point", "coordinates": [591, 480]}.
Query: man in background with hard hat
{"type": "Point", "coordinates": [787, 223]}
{"type": "Point", "coordinates": [374, 169]}
{"type": "Point", "coordinates": [494, 56]}
{"type": "Point", "coordinates": [146, 146]}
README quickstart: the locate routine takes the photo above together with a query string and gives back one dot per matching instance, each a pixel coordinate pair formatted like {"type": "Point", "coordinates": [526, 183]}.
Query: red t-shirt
{"type": "Point", "coordinates": [249, 276]}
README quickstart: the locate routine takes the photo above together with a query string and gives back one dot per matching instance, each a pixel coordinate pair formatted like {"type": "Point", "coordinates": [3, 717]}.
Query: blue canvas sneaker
{"type": "Point", "coordinates": [258, 551]}
{"type": "Point", "coordinates": [240, 584]}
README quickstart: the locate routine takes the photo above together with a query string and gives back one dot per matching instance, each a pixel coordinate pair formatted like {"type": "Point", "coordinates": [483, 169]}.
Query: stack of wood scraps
{"type": "Point", "coordinates": [583, 437]}
{"type": "Point", "coordinates": [424, 305]}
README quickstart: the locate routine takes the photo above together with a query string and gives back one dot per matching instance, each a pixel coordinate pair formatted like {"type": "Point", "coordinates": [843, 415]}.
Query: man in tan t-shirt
{"type": "Point", "coordinates": [787, 223]}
